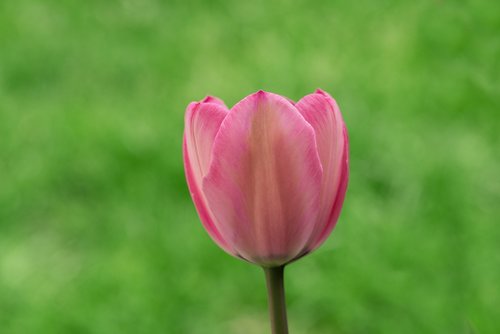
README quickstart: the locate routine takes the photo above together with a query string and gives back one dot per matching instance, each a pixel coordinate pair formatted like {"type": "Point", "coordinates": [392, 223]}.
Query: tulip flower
{"type": "Point", "coordinates": [268, 178]}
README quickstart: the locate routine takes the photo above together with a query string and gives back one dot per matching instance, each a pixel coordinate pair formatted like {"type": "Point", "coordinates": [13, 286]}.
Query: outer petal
{"type": "Point", "coordinates": [264, 180]}
{"type": "Point", "coordinates": [202, 122]}
{"type": "Point", "coordinates": [322, 112]}
{"type": "Point", "coordinates": [339, 198]}
{"type": "Point", "coordinates": [213, 99]}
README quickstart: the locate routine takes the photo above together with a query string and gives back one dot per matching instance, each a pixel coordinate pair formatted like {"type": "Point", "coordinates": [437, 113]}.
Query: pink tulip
{"type": "Point", "coordinates": [268, 177]}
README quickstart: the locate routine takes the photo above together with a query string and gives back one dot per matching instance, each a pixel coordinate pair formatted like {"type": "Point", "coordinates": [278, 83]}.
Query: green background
{"type": "Point", "coordinates": [97, 230]}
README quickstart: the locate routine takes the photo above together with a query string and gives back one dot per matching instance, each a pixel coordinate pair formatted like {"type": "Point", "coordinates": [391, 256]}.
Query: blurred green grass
{"type": "Point", "coordinates": [97, 230]}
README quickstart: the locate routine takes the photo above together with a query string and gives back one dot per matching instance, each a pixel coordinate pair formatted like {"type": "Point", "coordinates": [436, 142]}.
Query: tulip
{"type": "Point", "coordinates": [268, 178]}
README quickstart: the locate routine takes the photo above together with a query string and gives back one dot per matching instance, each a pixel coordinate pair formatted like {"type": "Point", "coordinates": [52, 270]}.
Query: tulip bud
{"type": "Point", "coordinates": [268, 177]}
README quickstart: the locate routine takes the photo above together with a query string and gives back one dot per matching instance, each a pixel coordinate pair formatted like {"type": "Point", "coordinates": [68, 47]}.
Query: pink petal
{"type": "Point", "coordinates": [202, 123]}
{"type": "Point", "coordinates": [213, 99]}
{"type": "Point", "coordinates": [264, 180]}
{"type": "Point", "coordinates": [339, 198]}
{"type": "Point", "coordinates": [322, 112]}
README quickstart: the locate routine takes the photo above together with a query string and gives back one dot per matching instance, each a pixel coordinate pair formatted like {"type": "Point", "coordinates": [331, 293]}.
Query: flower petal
{"type": "Point", "coordinates": [264, 179]}
{"type": "Point", "coordinates": [339, 198]}
{"type": "Point", "coordinates": [213, 99]}
{"type": "Point", "coordinates": [322, 112]}
{"type": "Point", "coordinates": [202, 123]}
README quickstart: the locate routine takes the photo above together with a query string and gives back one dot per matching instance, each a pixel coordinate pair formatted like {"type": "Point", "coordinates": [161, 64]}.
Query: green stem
{"type": "Point", "coordinates": [276, 295]}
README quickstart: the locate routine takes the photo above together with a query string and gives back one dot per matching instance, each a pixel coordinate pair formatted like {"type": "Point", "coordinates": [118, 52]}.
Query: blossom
{"type": "Point", "coordinates": [268, 177]}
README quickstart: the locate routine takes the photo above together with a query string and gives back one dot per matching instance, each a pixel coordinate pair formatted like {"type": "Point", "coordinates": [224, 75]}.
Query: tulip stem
{"type": "Point", "coordinates": [276, 296]}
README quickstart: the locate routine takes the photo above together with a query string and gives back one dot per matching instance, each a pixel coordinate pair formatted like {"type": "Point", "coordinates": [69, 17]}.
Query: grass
{"type": "Point", "coordinates": [97, 230]}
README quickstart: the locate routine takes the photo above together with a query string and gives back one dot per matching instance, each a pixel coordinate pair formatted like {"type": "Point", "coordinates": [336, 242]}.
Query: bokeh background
{"type": "Point", "coordinates": [97, 230]}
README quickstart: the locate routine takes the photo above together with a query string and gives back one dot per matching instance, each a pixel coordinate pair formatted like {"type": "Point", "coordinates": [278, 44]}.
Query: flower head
{"type": "Point", "coordinates": [268, 177]}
